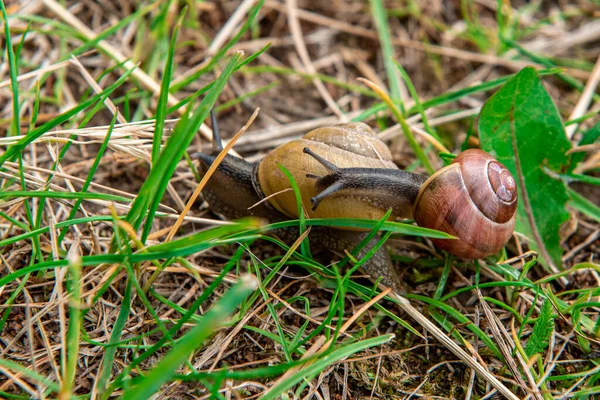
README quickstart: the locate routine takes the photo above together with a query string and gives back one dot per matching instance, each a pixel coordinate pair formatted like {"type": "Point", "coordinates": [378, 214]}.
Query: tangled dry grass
{"type": "Point", "coordinates": [306, 79]}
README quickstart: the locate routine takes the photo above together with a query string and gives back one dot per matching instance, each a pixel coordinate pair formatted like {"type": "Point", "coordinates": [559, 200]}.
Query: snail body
{"type": "Point", "coordinates": [345, 171]}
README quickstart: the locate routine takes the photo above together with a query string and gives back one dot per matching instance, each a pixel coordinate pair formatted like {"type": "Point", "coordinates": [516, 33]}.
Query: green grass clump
{"type": "Point", "coordinates": [96, 165]}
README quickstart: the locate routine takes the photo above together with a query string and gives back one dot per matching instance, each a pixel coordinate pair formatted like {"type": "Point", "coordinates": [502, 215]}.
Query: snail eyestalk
{"type": "Point", "coordinates": [217, 144]}
{"type": "Point", "coordinates": [331, 189]}
{"type": "Point", "coordinates": [321, 160]}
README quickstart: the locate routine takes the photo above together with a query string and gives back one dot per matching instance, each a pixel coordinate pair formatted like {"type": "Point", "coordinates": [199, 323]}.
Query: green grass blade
{"type": "Point", "coordinates": [62, 195]}
{"type": "Point", "coordinates": [16, 148]}
{"type": "Point", "coordinates": [548, 64]}
{"type": "Point", "coordinates": [376, 228]}
{"type": "Point", "coordinates": [449, 97]}
{"type": "Point", "coordinates": [283, 71]}
{"type": "Point", "coordinates": [109, 355]}
{"type": "Point", "coordinates": [583, 205]}
{"type": "Point", "coordinates": [416, 98]}
{"type": "Point", "coordinates": [184, 319]}
{"type": "Point", "coordinates": [246, 96]}
{"type": "Point", "coordinates": [322, 363]}
{"type": "Point", "coordinates": [592, 180]}
{"type": "Point", "coordinates": [88, 180]}
{"type": "Point", "coordinates": [252, 14]}
{"type": "Point", "coordinates": [394, 227]}
{"type": "Point", "coordinates": [120, 258]}
{"type": "Point", "coordinates": [121, 24]}
{"type": "Point", "coordinates": [11, 300]}
{"type": "Point", "coordinates": [27, 205]}
{"type": "Point", "coordinates": [13, 366]}
{"type": "Point", "coordinates": [75, 320]}
{"type": "Point", "coordinates": [304, 246]}
{"type": "Point", "coordinates": [421, 156]}
{"type": "Point", "coordinates": [14, 72]}
{"type": "Point", "coordinates": [161, 108]}
{"type": "Point", "coordinates": [46, 229]}
{"type": "Point", "coordinates": [460, 319]}
{"type": "Point", "coordinates": [213, 320]}
{"type": "Point", "coordinates": [155, 185]}
{"type": "Point", "coordinates": [202, 237]}
{"type": "Point", "coordinates": [383, 30]}
{"type": "Point", "coordinates": [196, 94]}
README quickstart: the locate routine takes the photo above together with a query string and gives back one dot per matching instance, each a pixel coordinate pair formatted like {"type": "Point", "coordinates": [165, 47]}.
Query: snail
{"type": "Point", "coordinates": [346, 171]}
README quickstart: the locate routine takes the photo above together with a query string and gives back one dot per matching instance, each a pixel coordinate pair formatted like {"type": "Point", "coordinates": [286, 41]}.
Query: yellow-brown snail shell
{"type": "Point", "coordinates": [347, 146]}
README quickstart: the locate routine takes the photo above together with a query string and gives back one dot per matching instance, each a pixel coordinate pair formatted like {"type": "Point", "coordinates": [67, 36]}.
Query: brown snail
{"type": "Point", "coordinates": [346, 171]}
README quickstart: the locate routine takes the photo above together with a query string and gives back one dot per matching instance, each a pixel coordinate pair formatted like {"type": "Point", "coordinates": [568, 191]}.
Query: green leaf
{"type": "Point", "coordinates": [521, 127]}
{"type": "Point", "coordinates": [544, 325]}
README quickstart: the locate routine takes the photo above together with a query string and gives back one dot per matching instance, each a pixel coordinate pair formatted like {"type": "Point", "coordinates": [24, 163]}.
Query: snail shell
{"type": "Point", "coordinates": [349, 145]}
{"type": "Point", "coordinates": [474, 199]}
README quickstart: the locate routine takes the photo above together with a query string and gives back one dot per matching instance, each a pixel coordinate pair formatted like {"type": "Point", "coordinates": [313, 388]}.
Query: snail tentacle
{"type": "Point", "coordinates": [330, 166]}
{"type": "Point", "coordinates": [331, 189]}
{"type": "Point", "coordinates": [217, 142]}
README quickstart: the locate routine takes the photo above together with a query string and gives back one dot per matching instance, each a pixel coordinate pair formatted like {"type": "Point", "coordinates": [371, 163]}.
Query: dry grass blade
{"type": "Point", "coordinates": [507, 348]}
{"type": "Point", "coordinates": [138, 74]}
{"type": "Point", "coordinates": [453, 347]}
{"type": "Point", "coordinates": [134, 138]}
{"type": "Point", "coordinates": [401, 120]}
{"type": "Point", "coordinates": [313, 328]}
{"type": "Point", "coordinates": [585, 99]}
{"type": "Point", "coordinates": [209, 173]}
{"type": "Point", "coordinates": [94, 85]}
{"type": "Point", "coordinates": [586, 34]}
{"type": "Point", "coordinates": [303, 52]}
{"type": "Point", "coordinates": [38, 72]}
{"type": "Point", "coordinates": [322, 344]}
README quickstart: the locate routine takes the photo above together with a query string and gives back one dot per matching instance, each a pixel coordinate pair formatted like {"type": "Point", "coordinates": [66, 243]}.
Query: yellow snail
{"type": "Point", "coordinates": [345, 171]}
